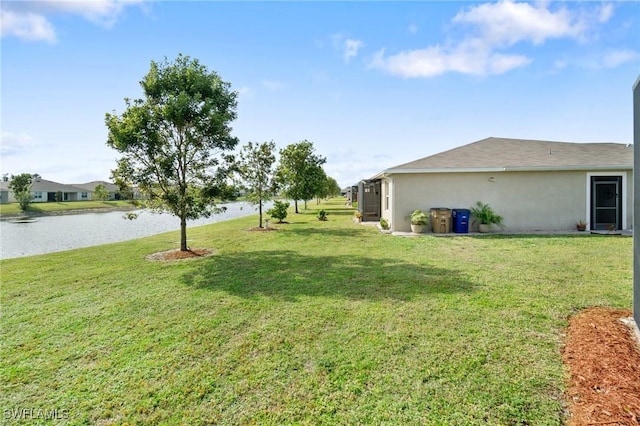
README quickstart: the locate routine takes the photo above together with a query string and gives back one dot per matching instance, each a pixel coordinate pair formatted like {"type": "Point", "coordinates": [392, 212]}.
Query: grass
{"type": "Point", "coordinates": [318, 323]}
{"type": "Point", "coordinates": [14, 208]}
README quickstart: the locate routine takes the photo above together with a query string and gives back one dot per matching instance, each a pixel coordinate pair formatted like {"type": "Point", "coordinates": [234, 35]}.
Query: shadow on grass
{"type": "Point", "coordinates": [335, 232]}
{"type": "Point", "coordinates": [287, 275]}
{"type": "Point", "coordinates": [32, 209]}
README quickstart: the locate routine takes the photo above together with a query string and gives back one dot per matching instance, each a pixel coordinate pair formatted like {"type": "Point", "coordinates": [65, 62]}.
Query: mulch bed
{"type": "Point", "coordinates": [176, 254]}
{"type": "Point", "coordinates": [604, 363]}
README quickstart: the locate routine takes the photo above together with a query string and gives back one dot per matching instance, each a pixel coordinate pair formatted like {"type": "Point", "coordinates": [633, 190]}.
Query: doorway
{"type": "Point", "coordinates": [606, 202]}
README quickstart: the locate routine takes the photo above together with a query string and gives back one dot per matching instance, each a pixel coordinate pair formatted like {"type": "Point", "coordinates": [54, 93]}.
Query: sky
{"type": "Point", "coordinates": [371, 84]}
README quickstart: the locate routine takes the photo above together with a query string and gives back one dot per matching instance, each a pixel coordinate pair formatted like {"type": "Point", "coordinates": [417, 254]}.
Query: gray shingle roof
{"type": "Point", "coordinates": [91, 186]}
{"type": "Point", "coordinates": [523, 154]}
{"type": "Point", "coordinates": [43, 185]}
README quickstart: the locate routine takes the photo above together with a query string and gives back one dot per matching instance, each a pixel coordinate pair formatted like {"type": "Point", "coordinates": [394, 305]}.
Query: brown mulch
{"type": "Point", "coordinates": [604, 363]}
{"type": "Point", "coordinates": [177, 254]}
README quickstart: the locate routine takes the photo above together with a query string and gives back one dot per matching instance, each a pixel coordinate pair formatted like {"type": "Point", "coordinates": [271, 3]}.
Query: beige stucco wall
{"type": "Point", "coordinates": [529, 201]}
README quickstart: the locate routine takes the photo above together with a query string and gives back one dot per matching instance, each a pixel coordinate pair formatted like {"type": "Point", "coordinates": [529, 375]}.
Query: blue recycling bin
{"type": "Point", "coordinates": [461, 221]}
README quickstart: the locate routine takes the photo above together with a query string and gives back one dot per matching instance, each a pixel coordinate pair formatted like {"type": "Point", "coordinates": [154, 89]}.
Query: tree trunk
{"type": "Point", "coordinates": [305, 204]}
{"type": "Point", "coordinates": [183, 234]}
{"type": "Point", "coordinates": [295, 202]}
{"type": "Point", "coordinates": [260, 213]}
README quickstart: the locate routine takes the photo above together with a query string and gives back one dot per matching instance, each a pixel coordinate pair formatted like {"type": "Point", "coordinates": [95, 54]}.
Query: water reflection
{"type": "Point", "coordinates": [56, 233]}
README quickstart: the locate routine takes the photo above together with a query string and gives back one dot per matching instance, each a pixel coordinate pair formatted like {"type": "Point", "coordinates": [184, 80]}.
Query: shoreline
{"type": "Point", "coordinates": [29, 213]}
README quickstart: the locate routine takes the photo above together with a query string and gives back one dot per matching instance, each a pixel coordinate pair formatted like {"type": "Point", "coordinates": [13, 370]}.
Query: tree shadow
{"type": "Point", "coordinates": [335, 232]}
{"type": "Point", "coordinates": [288, 275]}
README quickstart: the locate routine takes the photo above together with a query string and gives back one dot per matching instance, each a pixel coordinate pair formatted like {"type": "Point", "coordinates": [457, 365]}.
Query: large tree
{"type": "Point", "coordinates": [300, 171]}
{"type": "Point", "coordinates": [258, 173]}
{"type": "Point", "coordinates": [21, 187]}
{"type": "Point", "coordinates": [175, 142]}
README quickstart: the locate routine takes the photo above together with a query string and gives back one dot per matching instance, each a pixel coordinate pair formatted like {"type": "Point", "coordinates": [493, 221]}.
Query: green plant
{"type": "Point", "coordinates": [384, 224]}
{"type": "Point", "coordinates": [358, 215]}
{"type": "Point", "coordinates": [418, 217]}
{"type": "Point", "coordinates": [279, 210]}
{"type": "Point", "coordinates": [322, 215]}
{"type": "Point", "coordinates": [485, 214]}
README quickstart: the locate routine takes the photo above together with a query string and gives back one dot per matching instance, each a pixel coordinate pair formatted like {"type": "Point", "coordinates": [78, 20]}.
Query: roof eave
{"type": "Point", "coordinates": [504, 169]}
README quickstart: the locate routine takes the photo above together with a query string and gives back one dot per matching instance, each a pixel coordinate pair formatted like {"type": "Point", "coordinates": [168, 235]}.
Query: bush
{"type": "Point", "coordinates": [485, 214]}
{"type": "Point", "coordinates": [418, 217]}
{"type": "Point", "coordinates": [279, 210]}
{"type": "Point", "coordinates": [322, 215]}
{"type": "Point", "coordinates": [384, 224]}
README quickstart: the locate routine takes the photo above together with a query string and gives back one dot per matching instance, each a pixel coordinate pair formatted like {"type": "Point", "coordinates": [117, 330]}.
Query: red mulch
{"type": "Point", "coordinates": [177, 254]}
{"type": "Point", "coordinates": [604, 362]}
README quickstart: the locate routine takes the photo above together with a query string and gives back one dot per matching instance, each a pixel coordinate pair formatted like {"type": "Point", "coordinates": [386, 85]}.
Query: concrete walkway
{"type": "Point", "coordinates": [626, 233]}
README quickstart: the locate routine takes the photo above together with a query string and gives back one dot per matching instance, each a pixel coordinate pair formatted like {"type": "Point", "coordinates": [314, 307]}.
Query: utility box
{"type": "Point", "coordinates": [461, 220]}
{"type": "Point", "coordinates": [440, 220]}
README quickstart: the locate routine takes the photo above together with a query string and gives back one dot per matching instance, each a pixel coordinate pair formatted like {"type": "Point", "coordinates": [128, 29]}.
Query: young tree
{"type": "Point", "coordinates": [100, 192]}
{"type": "Point", "coordinates": [175, 142]}
{"type": "Point", "coordinates": [299, 171]}
{"type": "Point", "coordinates": [279, 210]}
{"type": "Point", "coordinates": [21, 187]}
{"type": "Point", "coordinates": [257, 171]}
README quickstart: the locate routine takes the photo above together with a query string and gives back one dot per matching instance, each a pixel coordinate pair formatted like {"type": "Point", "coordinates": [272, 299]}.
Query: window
{"type": "Point", "coordinates": [84, 195]}
{"type": "Point", "coordinates": [37, 195]}
{"type": "Point", "coordinates": [386, 195]}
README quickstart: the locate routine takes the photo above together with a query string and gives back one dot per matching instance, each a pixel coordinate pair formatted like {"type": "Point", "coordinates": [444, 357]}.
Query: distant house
{"type": "Point", "coordinates": [5, 193]}
{"type": "Point", "coordinates": [534, 185]}
{"type": "Point", "coordinates": [43, 191]}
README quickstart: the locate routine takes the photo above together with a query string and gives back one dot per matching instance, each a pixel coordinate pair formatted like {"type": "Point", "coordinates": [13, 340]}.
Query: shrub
{"type": "Point", "coordinates": [384, 224]}
{"type": "Point", "coordinates": [279, 210]}
{"type": "Point", "coordinates": [418, 217]}
{"type": "Point", "coordinates": [322, 215]}
{"type": "Point", "coordinates": [485, 214]}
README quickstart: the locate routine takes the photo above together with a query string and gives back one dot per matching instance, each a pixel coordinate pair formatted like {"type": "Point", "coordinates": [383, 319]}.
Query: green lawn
{"type": "Point", "coordinates": [318, 323]}
{"type": "Point", "coordinates": [14, 208]}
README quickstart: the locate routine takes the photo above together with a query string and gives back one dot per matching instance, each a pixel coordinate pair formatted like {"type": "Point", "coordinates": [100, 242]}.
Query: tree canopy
{"type": "Point", "coordinates": [100, 192]}
{"type": "Point", "coordinates": [258, 173]}
{"type": "Point", "coordinates": [175, 142]}
{"type": "Point", "coordinates": [21, 187]}
{"type": "Point", "coordinates": [300, 171]}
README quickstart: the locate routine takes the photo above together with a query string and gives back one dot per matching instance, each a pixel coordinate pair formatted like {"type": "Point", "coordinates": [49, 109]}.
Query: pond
{"type": "Point", "coordinates": [49, 234]}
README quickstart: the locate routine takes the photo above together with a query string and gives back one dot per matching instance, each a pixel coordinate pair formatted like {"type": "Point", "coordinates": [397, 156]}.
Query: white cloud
{"type": "Point", "coordinates": [30, 20]}
{"type": "Point", "coordinates": [27, 26]}
{"type": "Point", "coordinates": [349, 47]}
{"type": "Point", "coordinates": [471, 57]}
{"type": "Point", "coordinates": [606, 12]}
{"type": "Point", "coordinates": [507, 22]}
{"type": "Point", "coordinates": [493, 29]}
{"type": "Point", "coordinates": [615, 58]}
{"type": "Point", "coordinates": [14, 143]}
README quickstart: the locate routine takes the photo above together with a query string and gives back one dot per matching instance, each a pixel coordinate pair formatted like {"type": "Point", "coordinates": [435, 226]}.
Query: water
{"type": "Point", "coordinates": [49, 234]}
